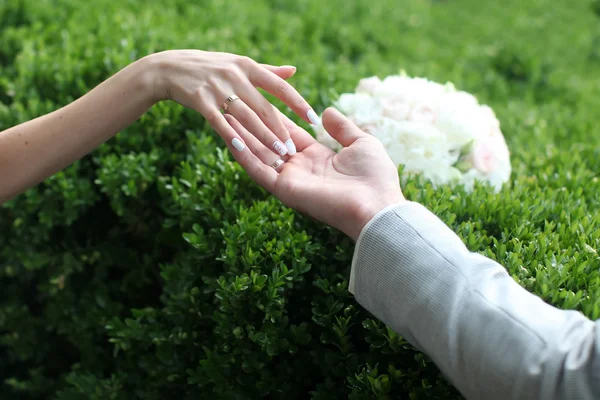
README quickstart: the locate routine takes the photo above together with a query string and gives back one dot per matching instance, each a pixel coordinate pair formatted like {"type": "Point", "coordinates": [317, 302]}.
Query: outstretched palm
{"type": "Point", "coordinates": [343, 190]}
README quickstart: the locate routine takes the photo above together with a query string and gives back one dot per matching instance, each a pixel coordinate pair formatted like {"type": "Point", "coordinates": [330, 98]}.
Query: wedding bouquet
{"type": "Point", "coordinates": [432, 129]}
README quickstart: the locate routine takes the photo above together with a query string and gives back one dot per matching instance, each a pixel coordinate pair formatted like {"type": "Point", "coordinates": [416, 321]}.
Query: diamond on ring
{"type": "Point", "coordinates": [277, 164]}
{"type": "Point", "coordinates": [229, 100]}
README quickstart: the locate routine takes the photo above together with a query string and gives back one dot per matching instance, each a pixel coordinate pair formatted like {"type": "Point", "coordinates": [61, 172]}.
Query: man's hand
{"type": "Point", "coordinates": [344, 190]}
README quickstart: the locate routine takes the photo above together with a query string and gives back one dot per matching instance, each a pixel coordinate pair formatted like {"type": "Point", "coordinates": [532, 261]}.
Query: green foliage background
{"type": "Point", "coordinates": [155, 269]}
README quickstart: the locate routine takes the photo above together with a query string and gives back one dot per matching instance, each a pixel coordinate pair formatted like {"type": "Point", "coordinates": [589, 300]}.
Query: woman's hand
{"type": "Point", "coordinates": [34, 150]}
{"type": "Point", "coordinates": [203, 81]}
{"type": "Point", "coordinates": [344, 190]}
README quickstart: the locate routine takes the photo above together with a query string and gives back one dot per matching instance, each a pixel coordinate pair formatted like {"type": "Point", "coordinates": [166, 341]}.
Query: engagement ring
{"type": "Point", "coordinates": [277, 164]}
{"type": "Point", "coordinates": [229, 100]}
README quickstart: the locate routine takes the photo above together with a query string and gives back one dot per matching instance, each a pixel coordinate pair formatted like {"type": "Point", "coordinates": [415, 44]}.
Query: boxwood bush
{"type": "Point", "coordinates": [155, 269]}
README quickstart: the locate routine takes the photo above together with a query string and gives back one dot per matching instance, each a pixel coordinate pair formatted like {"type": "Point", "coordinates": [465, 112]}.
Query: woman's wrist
{"type": "Point", "coordinates": [150, 78]}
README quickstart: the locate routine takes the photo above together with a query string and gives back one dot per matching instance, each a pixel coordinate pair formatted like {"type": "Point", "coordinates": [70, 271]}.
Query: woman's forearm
{"type": "Point", "coordinates": [199, 80]}
{"type": "Point", "coordinates": [36, 149]}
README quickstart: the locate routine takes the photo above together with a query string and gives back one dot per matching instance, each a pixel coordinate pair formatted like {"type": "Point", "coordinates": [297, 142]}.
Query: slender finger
{"type": "Point", "coordinates": [260, 173]}
{"type": "Point", "coordinates": [282, 71]}
{"type": "Point", "coordinates": [301, 138]}
{"type": "Point", "coordinates": [340, 127]}
{"type": "Point", "coordinates": [219, 123]}
{"type": "Point", "coordinates": [285, 92]}
{"type": "Point", "coordinates": [248, 118]}
{"type": "Point", "coordinates": [263, 153]}
{"type": "Point", "coordinates": [268, 115]}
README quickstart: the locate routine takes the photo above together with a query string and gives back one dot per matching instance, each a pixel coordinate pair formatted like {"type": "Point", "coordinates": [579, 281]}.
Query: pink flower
{"type": "Point", "coordinates": [395, 109]}
{"type": "Point", "coordinates": [483, 158]}
{"type": "Point", "coordinates": [422, 113]}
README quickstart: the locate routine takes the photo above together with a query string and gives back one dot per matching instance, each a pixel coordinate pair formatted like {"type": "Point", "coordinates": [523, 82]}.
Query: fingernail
{"type": "Point", "coordinates": [280, 148]}
{"type": "Point", "coordinates": [313, 117]}
{"type": "Point", "coordinates": [238, 144]}
{"type": "Point", "coordinates": [287, 66]}
{"type": "Point", "coordinates": [291, 147]}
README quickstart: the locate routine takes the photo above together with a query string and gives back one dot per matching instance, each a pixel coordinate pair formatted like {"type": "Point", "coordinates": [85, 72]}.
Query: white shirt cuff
{"type": "Point", "coordinates": [378, 215]}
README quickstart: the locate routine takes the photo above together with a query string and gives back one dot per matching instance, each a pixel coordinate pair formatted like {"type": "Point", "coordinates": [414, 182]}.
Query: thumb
{"type": "Point", "coordinates": [282, 71]}
{"type": "Point", "coordinates": [340, 127]}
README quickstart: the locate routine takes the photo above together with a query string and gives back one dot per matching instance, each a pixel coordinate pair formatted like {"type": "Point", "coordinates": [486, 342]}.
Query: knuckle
{"type": "Point", "coordinates": [245, 62]}
{"type": "Point", "coordinates": [264, 154]}
{"type": "Point", "coordinates": [265, 111]}
{"type": "Point", "coordinates": [256, 171]}
{"type": "Point", "coordinates": [282, 132]}
{"type": "Point", "coordinates": [245, 116]}
{"type": "Point", "coordinates": [245, 157]}
{"type": "Point", "coordinates": [265, 136]}
{"type": "Point", "coordinates": [213, 117]}
{"type": "Point", "coordinates": [341, 129]}
{"type": "Point", "coordinates": [213, 82]}
{"type": "Point", "coordinates": [198, 92]}
{"type": "Point", "coordinates": [281, 89]}
{"type": "Point", "coordinates": [231, 73]}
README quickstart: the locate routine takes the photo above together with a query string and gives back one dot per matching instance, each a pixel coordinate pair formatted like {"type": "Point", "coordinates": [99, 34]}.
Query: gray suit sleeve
{"type": "Point", "coordinates": [488, 335]}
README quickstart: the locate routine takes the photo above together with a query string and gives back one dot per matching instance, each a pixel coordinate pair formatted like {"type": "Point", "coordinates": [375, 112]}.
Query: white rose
{"type": "Point", "coordinates": [395, 108]}
{"type": "Point", "coordinates": [460, 116]}
{"type": "Point", "coordinates": [368, 85]}
{"type": "Point", "coordinates": [425, 126]}
{"type": "Point", "coordinates": [414, 144]}
{"type": "Point", "coordinates": [409, 90]}
{"type": "Point", "coordinates": [422, 113]}
{"type": "Point", "coordinates": [361, 107]}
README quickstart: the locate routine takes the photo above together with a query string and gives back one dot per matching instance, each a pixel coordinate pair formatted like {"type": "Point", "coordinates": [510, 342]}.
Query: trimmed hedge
{"type": "Point", "coordinates": [154, 268]}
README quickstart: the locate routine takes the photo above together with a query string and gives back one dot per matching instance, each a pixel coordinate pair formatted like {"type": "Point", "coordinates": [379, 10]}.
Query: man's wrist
{"type": "Point", "coordinates": [366, 213]}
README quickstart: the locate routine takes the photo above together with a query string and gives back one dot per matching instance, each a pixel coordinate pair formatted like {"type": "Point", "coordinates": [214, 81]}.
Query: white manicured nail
{"type": "Point", "coordinates": [313, 117]}
{"type": "Point", "coordinates": [280, 148]}
{"type": "Point", "coordinates": [287, 66]}
{"type": "Point", "coordinates": [238, 144]}
{"type": "Point", "coordinates": [291, 147]}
